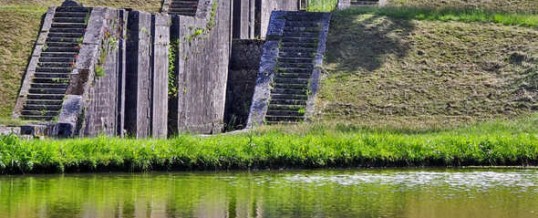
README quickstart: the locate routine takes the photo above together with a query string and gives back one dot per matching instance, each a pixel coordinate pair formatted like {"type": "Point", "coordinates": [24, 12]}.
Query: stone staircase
{"type": "Point", "coordinates": [298, 50]}
{"type": "Point", "coordinates": [183, 7]}
{"type": "Point", "coordinates": [56, 61]}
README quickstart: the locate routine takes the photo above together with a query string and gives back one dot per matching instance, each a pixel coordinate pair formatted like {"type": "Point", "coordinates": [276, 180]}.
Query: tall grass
{"type": "Point", "coordinates": [317, 147]}
{"type": "Point", "coordinates": [321, 5]}
{"type": "Point", "coordinates": [447, 14]}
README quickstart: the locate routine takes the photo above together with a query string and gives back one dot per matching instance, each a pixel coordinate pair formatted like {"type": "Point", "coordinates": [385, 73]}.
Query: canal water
{"type": "Point", "coordinates": [424, 193]}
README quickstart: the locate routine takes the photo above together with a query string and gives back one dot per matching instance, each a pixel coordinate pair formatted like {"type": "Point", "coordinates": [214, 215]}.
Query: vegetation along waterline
{"type": "Point", "coordinates": [314, 146]}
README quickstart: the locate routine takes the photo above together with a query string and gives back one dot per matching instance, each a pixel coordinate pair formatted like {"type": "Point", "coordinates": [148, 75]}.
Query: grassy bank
{"type": "Point", "coordinates": [518, 6]}
{"type": "Point", "coordinates": [495, 143]}
{"type": "Point", "coordinates": [389, 68]}
{"type": "Point", "coordinates": [448, 14]}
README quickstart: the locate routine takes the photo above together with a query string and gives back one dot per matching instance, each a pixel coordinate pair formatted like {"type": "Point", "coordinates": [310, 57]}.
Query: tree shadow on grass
{"type": "Point", "coordinates": [360, 41]}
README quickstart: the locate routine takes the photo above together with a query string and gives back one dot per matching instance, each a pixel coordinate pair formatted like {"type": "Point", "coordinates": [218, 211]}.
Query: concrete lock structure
{"type": "Point", "coordinates": [194, 67]}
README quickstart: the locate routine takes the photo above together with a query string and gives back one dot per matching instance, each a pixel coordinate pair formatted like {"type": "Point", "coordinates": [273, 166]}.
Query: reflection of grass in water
{"type": "Point", "coordinates": [271, 193]}
{"type": "Point", "coordinates": [496, 143]}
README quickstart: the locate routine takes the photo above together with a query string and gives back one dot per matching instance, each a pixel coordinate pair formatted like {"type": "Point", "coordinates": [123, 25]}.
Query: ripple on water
{"type": "Point", "coordinates": [471, 180]}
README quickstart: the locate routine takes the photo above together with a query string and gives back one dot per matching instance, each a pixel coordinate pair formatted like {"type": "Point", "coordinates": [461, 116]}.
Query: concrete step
{"type": "Point", "coordinates": [65, 39]}
{"type": "Point", "coordinates": [57, 59]}
{"type": "Point", "coordinates": [47, 91]}
{"type": "Point", "coordinates": [58, 54]}
{"type": "Point", "coordinates": [286, 107]}
{"type": "Point", "coordinates": [53, 70]}
{"type": "Point", "coordinates": [302, 24]}
{"type": "Point", "coordinates": [80, 20]}
{"type": "Point", "coordinates": [300, 54]}
{"type": "Point", "coordinates": [68, 25]}
{"type": "Point", "coordinates": [71, 14]}
{"type": "Point", "coordinates": [67, 30]}
{"type": "Point", "coordinates": [40, 118]}
{"type": "Point", "coordinates": [44, 113]}
{"type": "Point", "coordinates": [288, 97]}
{"type": "Point", "coordinates": [78, 36]}
{"type": "Point", "coordinates": [312, 29]}
{"type": "Point", "coordinates": [72, 9]}
{"type": "Point", "coordinates": [291, 80]}
{"type": "Point", "coordinates": [295, 60]}
{"type": "Point", "coordinates": [51, 75]}
{"type": "Point", "coordinates": [67, 45]}
{"type": "Point", "coordinates": [289, 86]}
{"type": "Point", "coordinates": [282, 119]}
{"type": "Point", "coordinates": [51, 80]}
{"type": "Point", "coordinates": [364, 2]}
{"type": "Point", "coordinates": [45, 97]}
{"type": "Point", "coordinates": [55, 64]}
{"type": "Point", "coordinates": [44, 102]}
{"type": "Point", "coordinates": [299, 49]}
{"type": "Point", "coordinates": [308, 70]}
{"type": "Point", "coordinates": [297, 40]}
{"type": "Point", "coordinates": [293, 113]}
{"type": "Point", "coordinates": [288, 101]}
{"type": "Point", "coordinates": [299, 44]}
{"type": "Point", "coordinates": [62, 49]}
{"type": "Point", "coordinates": [302, 91]}
{"type": "Point", "coordinates": [49, 85]}
{"type": "Point", "coordinates": [284, 65]}
{"type": "Point", "coordinates": [313, 35]}
{"type": "Point", "coordinates": [41, 107]}
{"type": "Point", "coordinates": [293, 75]}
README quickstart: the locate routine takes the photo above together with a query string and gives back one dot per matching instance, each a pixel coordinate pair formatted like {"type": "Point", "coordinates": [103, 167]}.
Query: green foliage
{"type": "Point", "coordinates": [209, 25]}
{"type": "Point", "coordinates": [212, 16]}
{"type": "Point", "coordinates": [172, 61]}
{"type": "Point", "coordinates": [100, 71]}
{"type": "Point", "coordinates": [497, 143]}
{"type": "Point", "coordinates": [321, 5]}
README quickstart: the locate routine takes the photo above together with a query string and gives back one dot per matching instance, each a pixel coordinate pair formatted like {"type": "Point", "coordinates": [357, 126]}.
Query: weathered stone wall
{"type": "Point", "coordinates": [251, 17]}
{"type": "Point", "coordinates": [268, 63]}
{"type": "Point", "coordinates": [202, 60]}
{"type": "Point", "coordinates": [244, 19]}
{"type": "Point", "coordinates": [147, 74]}
{"type": "Point", "coordinates": [91, 103]}
{"type": "Point", "coordinates": [244, 66]}
{"type": "Point", "coordinates": [268, 6]}
{"type": "Point", "coordinates": [104, 100]}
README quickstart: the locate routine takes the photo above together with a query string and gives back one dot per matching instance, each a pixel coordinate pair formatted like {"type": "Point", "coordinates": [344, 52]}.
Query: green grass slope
{"type": "Point", "coordinates": [495, 5]}
{"type": "Point", "coordinates": [394, 70]}
{"type": "Point", "coordinates": [19, 26]}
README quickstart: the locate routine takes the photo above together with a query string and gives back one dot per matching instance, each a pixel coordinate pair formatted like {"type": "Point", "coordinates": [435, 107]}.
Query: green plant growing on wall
{"type": "Point", "coordinates": [211, 23]}
{"type": "Point", "coordinates": [87, 18]}
{"type": "Point", "coordinates": [172, 60]}
{"type": "Point", "coordinates": [109, 44]}
{"type": "Point", "coordinates": [301, 111]}
{"type": "Point", "coordinates": [100, 71]}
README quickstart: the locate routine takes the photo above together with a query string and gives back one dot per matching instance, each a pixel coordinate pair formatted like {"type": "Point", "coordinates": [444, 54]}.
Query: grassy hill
{"type": "Point", "coordinates": [384, 67]}
{"type": "Point", "coordinates": [495, 5]}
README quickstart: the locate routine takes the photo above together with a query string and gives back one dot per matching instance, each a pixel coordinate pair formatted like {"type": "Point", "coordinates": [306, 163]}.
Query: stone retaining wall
{"type": "Point", "coordinates": [244, 66]}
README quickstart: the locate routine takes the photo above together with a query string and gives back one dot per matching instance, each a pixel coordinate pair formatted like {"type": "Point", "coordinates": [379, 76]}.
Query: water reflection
{"type": "Point", "coordinates": [373, 193]}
